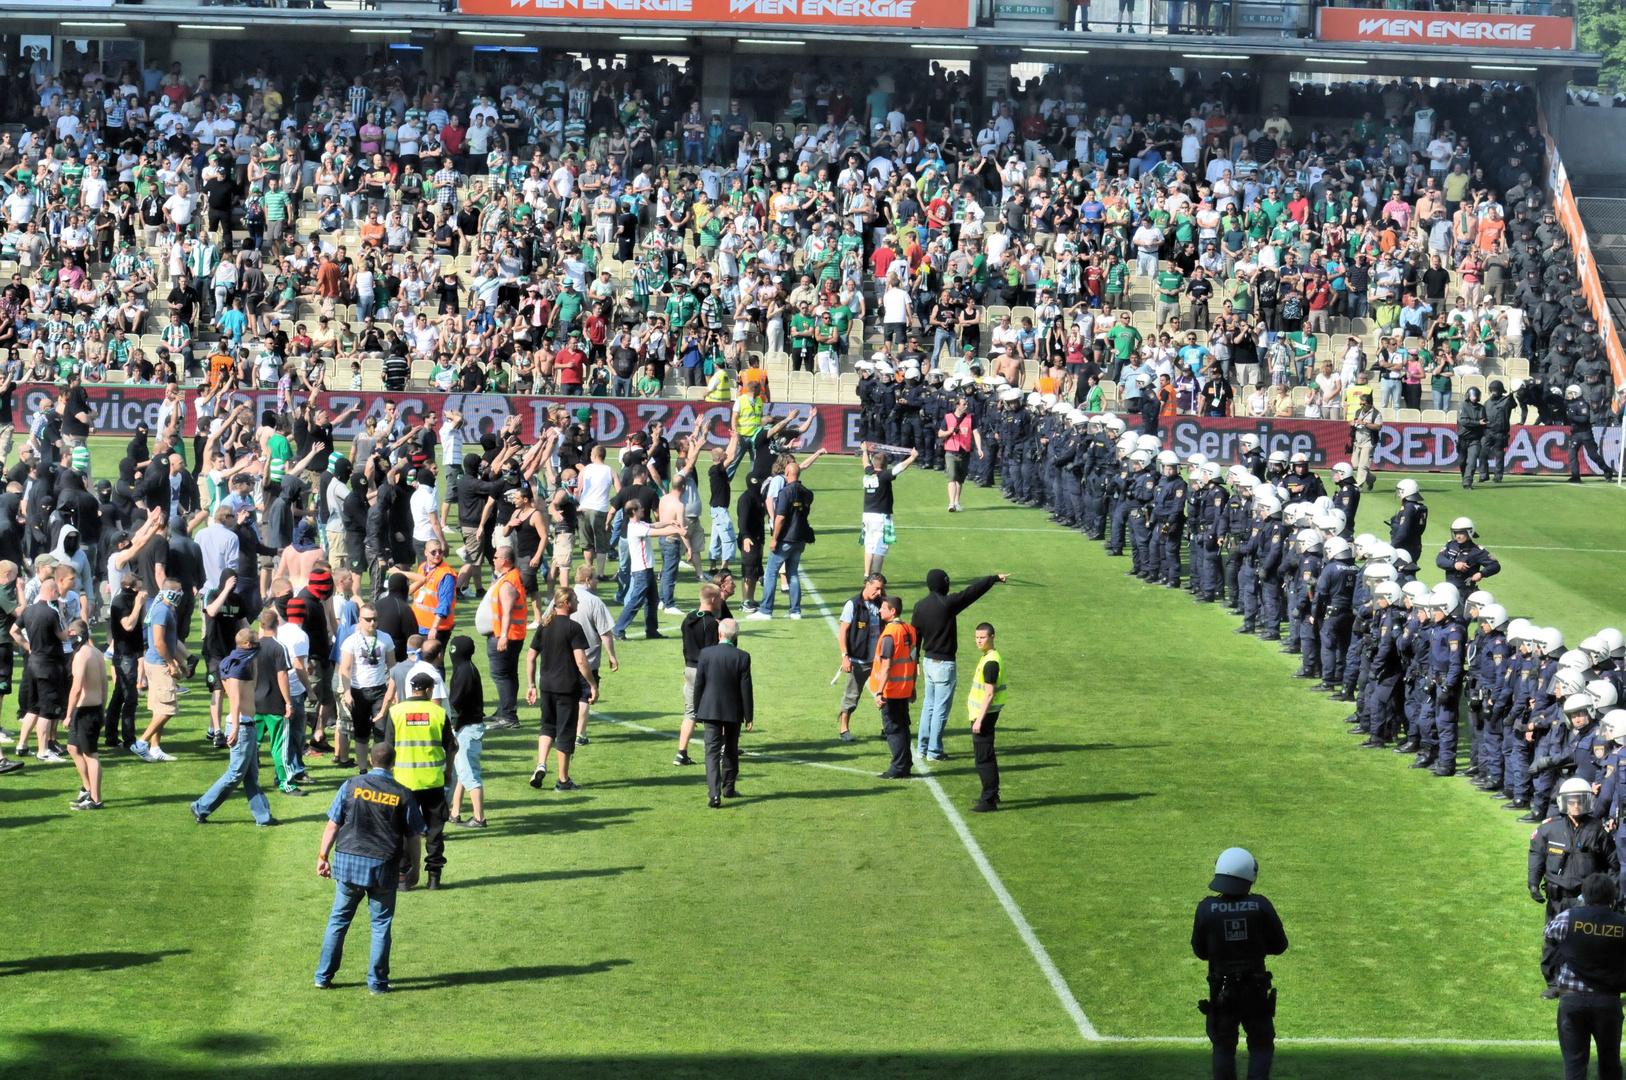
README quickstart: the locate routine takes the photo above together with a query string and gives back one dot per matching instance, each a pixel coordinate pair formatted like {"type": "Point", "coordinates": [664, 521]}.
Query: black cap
{"type": "Point", "coordinates": [422, 681]}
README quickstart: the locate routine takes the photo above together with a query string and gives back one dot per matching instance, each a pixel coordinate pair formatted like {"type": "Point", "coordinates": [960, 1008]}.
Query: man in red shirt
{"type": "Point", "coordinates": [883, 258]}
{"type": "Point", "coordinates": [569, 364]}
{"type": "Point", "coordinates": [329, 285]}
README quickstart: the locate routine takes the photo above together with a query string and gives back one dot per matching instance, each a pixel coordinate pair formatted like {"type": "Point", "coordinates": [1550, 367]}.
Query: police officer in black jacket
{"type": "Point", "coordinates": [1471, 426]}
{"type": "Point", "coordinates": [1234, 932]}
{"type": "Point", "coordinates": [1498, 424]}
{"type": "Point", "coordinates": [1579, 417]}
{"type": "Point", "coordinates": [1567, 848]}
{"type": "Point", "coordinates": [1465, 563]}
{"type": "Point", "coordinates": [1585, 960]}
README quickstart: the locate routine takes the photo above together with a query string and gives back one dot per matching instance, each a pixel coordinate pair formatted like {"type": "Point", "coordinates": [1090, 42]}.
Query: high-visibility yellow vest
{"type": "Point", "coordinates": [980, 690]}
{"type": "Point", "coordinates": [416, 728]}
{"type": "Point", "coordinates": [750, 416]}
{"type": "Point", "coordinates": [720, 388]}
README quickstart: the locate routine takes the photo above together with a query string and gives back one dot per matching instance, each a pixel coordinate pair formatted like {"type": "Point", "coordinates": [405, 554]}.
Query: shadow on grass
{"type": "Point", "coordinates": [34, 819]}
{"type": "Point", "coordinates": [504, 975]}
{"type": "Point", "coordinates": [69, 1055]}
{"type": "Point", "coordinates": [569, 821]}
{"type": "Point", "coordinates": [92, 961]}
{"type": "Point", "coordinates": [232, 1043]}
{"type": "Point", "coordinates": [540, 875]}
{"type": "Point", "coordinates": [1075, 800]}
{"type": "Point", "coordinates": [821, 793]}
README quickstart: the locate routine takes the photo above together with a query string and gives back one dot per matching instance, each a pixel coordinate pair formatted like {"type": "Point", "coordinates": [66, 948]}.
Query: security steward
{"type": "Point", "coordinates": [1587, 944]}
{"type": "Point", "coordinates": [860, 633]}
{"type": "Point", "coordinates": [1234, 932]}
{"type": "Point", "coordinates": [424, 744]}
{"type": "Point", "coordinates": [892, 681]}
{"type": "Point", "coordinates": [370, 844]}
{"type": "Point", "coordinates": [1565, 849]}
{"type": "Point", "coordinates": [434, 596]}
{"type": "Point", "coordinates": [986, 701]}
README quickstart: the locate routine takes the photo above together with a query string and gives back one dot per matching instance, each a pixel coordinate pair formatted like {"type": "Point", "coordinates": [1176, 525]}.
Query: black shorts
{"type": "Point", "coordinates": [751, 562]}
{"type": "Point", "coordinates": [5, 669]}
{"type": "Point", "coordinates": [363, 705]}
{"type": "Point", "coordinates": [85, 728]}
{"type": "Point", "coordinates": [584, 691]}
{"type": "Point", "coordinates": [49, 694]}
{"type": "Point", "coordinates": [527, 577]}
{"type": "Point", "coordinates": [559, 720]}
{"type": "Point", "coordinates": [211, 667]}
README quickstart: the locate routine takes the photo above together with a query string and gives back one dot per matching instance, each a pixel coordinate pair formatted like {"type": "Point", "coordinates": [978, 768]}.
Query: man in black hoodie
{"type": "Point", "coordinates": [935, 619]}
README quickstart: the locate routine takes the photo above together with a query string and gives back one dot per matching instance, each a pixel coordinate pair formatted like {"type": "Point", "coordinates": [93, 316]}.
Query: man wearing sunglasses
{"type": "Point", "coordinates": [364, 671]}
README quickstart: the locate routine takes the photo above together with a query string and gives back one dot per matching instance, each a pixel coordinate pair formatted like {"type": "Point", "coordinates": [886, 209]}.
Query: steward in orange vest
{"type": "Point", "coordinates": [434, 596]}
{"type": "Point", "coordinates": [892, 681]}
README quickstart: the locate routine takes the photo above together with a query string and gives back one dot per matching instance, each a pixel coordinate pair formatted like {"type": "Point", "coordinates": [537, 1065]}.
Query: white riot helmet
{"type": "Point", "coordinates": [1364, 541]}
{"type": "Point", "coordinates": [1113, 423]}
{"type": "Point", "coordinates": [1149, 443]}
{"type": "Point", "coordinates": [1595, 648]}
{"type": "Point", "coordinates": [1575, 797]}
{"type": "Point", "coordinates": [1342, 470]}
{"type": "Point", "coordinates": [1579, 703]}
{"type": "Point", "coordinates": [1211, 471]}
{"type": "Point", "coordinates": [1331, 521]}
{"type": "Point", "coordinates": [1493, 616]}
{"type": "Point", "coordinates": [1519, 631]}
{"type": "Point", "coordinates": [1401, 556]}
{"type": "Point", "coordinates": [1323, 502]}
{"type": "Point", "coordinates": [1407, 489]}
{"type": "Point", "coordinates": [1197, 459]}
{"type": "Point", "coordinates": [1603, 694]}
{"type": "Point", "coordinates": [1126, 445]}
{"type": "Point", "coordinates": [883, 368]}
{"type": "Point", "coordinates": [1479, 598]}
{"type": "Point", "coordinates": [1300, 459]}
{"type": "Point", "coordinates": [1267, 503]}
{"type": "Point", "coordinates": [1567, 681]}
{"type": "Point", "coordinates": [1416, 592]}
{"type": "Point", "coordinates": [1308, 540]}
{"type": "Point", "coordinates": [1277, 457]}
{"type": "Point", "coordinates": [1463, 525]}
{"type": "Point", "coordinates": [1140, 458]}
{"type": "Point", "coordinates": [1236, 870]}
{"type": "Point", "coordinates": [1447, 595]}
{"type": "Point", "coordinates": [1010, 394]}
{"type": "Point", "coordinates": [1035, 401]}
{"type": "Point", "coordinates": [1614, 725]}
{"type": "Point", "coordinates": [1387, 591]}
{"type": "Point", "coordinates": [1337, 547]}
{"type": "Point", "coordinates": [1575, 660]}
{"type": "Point", "coordinates": [1249, 441]}
{"type": "Point", "coordinates": [1380, 551]}
{"type": "Point", "coordinates": [1379, 572]}
{"type": "Point", "coordinates": [1551, 639]}
{"type": "Point", "coordinates": [1615, 640]}
{"type": "Point", "coordinates": [1167, 458]}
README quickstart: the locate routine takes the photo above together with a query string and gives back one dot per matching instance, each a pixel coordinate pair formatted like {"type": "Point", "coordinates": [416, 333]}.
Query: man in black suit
{"type": "Point", "coordinates": [723, 701]}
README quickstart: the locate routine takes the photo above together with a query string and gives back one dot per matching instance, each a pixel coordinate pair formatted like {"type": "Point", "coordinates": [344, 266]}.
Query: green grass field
{"type": "Point", "coordinates": [830, 923]}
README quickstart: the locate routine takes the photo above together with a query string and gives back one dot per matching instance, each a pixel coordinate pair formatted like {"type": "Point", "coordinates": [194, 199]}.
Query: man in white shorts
{"type": "Point", "coordinates": [878, 530]}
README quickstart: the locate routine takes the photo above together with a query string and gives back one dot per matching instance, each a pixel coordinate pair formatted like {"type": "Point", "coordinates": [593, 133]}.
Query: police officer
{"type": "Point", "coordinates": [1407, 525]}
{"type": "Point", "coordinates": [1269, 545]}
{"type": "Point", "coordinates": [1442, 694]}
{"type": "Point", "coordinates": [1214, 512]}
{"type": "Point", "coordinates": [1332, 615]}
{"type": "Point", "coordinates": [1498, 426]}
{"type": "Point", "coordinates": [1168, 521]}
{"type": "Point", "coordinates": [1465, 563]}
{"type": "Point", "coordinates": [1346, 496]}
{"type": "Point", "coordinates": [1578, 414]}
{"type": "Point", "coordinates": [1234, 932]}
{"type": "Point", "coordinates": [1386, 668]}
{"type": "Point", "coordinates": [370, 845]}
{"type": "Point", "coordinates": [1584, 960]}
{"type": "Point", "coordinates": [423, 745]}
{"type": "Point", "coordinates": [1490, 662]}
{"type": "Point", "coordinates": [1566, 848]}
{"type": "Point", "coordinates": [1302, 484]}
{"type": "Point", "coordinates": [1301, 598]}
{"type": "Point", "coordinates": [1471, 424]}
{"type": "Point", "coordinates": [1252, 456]}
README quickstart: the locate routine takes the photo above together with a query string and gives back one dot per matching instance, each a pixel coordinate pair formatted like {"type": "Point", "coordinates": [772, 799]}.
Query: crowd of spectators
{"type": "Point", "coordinates": [553, 226]}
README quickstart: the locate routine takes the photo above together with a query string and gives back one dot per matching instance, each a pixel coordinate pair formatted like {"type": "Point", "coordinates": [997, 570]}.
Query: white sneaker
{"type": "Point", "coordinates": [794, 615]}
{"type": "Point", "coordinates": [673, 611]}
{"type": "Point", "coordinates": [759, 616]}
{"type": "Point", "coordinates": [156, 754]}
{"type": "Point", "coordinates": [139, 749]}
{"type": "Point", "coordinates": [51, 755]}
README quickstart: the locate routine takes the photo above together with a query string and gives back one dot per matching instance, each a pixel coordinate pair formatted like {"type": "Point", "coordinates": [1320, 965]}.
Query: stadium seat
{"type": "Point", "coordinates": [1433, 416]}
{"type": "Point", "coordinates": [1408, 416]}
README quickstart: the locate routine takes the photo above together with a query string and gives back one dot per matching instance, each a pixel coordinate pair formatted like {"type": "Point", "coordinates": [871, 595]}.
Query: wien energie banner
{"type": "Point", "coordinates": [934, 14]}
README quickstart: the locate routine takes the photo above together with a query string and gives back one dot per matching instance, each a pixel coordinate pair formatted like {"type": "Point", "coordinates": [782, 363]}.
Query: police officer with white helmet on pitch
{"type": "Point", "coordinates": [1234, 932]}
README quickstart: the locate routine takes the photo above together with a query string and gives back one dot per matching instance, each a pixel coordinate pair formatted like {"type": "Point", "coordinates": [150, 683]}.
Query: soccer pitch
{"type": "Point", "coordinates": [830, 923]}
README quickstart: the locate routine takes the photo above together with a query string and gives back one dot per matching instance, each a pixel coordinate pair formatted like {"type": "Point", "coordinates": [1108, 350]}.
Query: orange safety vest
{"type": "Point", "coordinates": [427, 599]}
{"type": "Point", "coordinates": [516, 623]}
{"type": "Point", "coordinates": [900, 669]}
{"type": "Point", "coordinates": [754, 375]}
{"type": "Point", "coordinates": [1049, 384]}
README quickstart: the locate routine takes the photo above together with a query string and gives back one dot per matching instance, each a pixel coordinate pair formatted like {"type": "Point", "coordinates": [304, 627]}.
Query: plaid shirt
{"type": "Point", "coordinates": [1556, 932]}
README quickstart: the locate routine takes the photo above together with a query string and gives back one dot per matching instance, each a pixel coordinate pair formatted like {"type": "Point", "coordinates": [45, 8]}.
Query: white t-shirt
{"type": "Point", "coordinates": [638, 546]}
{"type": "Point", "coordinates": [424, 501]}
{"type": "Point", "coordinates": [596, 480]}
{"type": "Point", "coordinates": [895, 306]}
{"type": "Point", "coordinates": [298, 643]}
{"type": "Point", "coordinates": [438, 694]}
{"type": "Point", "coordinates": [372, 658]}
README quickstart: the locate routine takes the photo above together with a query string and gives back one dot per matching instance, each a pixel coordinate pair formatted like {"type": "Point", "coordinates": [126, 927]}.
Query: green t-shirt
{"type": "Point", "coordinates": [681, 310]}
{"type": "Point", "coordinates": [801, 330]}
{"type": "Point", "coordinates": [1124, 341]}
{"type": "Point", "coordinates": [569, 305]}
{"type": "Point", "coordinates": [1169, 284]}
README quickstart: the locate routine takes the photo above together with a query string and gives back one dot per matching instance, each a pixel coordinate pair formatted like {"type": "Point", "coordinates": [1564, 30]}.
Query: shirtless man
{"type": "Point", "coordinates": [669, 511]}
{"type": "Point", "coordinates": [298, 558]}
{"type": "Point", "coordinates": [86, 696]}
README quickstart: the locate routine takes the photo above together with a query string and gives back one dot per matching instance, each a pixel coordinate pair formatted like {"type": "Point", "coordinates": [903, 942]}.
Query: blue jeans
{"type": "Point", "coordinates": [671, 553]}
{"type": "Point", "coordinates": [941, 678]}
{"type": "Point", "coordinates": [620, 387]}
{"type": "Point", "coordinates": [723, 544]}
{"type": "Point", "coordinates": [623, 572]}
{"type": "Point", "coordinates": [789, 556]}
{"type": "Point", "coordinates": [640, 594]}
{"type": "Point", "coordinates": [381, 906]}
{"type": "Point", "coordinates": [1442, 399]}
{"type": "Point", "coordinates": [244, 769]}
